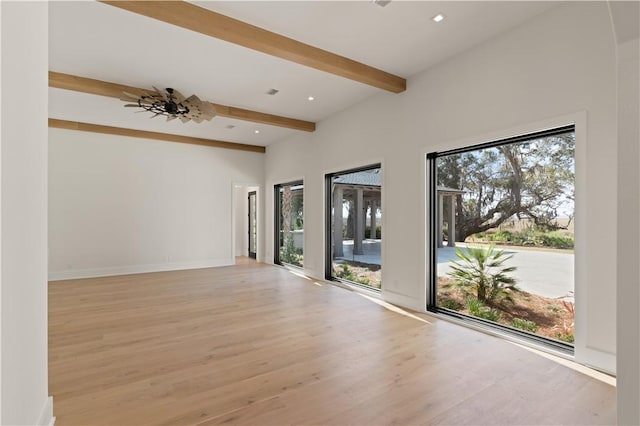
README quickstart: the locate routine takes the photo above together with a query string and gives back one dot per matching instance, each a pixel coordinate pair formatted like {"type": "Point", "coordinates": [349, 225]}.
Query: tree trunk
{"type": "Point", "coordinates": [286, 211]}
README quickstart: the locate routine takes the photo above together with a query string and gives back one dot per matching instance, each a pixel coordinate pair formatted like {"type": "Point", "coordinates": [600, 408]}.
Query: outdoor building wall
{"type": "Point", "coordinates": [122, 205]}
{"type": "Point", "coordinates": [557, 67]}
{"type": "Point", "coordinates": [23, 199]}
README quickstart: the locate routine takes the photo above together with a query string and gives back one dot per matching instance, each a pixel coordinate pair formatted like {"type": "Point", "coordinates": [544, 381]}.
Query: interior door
{"type": "Point", "coordinates": [253, 224]}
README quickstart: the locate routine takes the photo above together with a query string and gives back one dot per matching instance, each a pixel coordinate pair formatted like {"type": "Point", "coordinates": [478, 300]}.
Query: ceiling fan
{"type": "Point", "coordinates": [172, 104]}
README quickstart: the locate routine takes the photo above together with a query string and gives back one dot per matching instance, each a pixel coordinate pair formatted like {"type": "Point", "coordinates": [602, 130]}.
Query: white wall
{"type": "Point", "coordinates": [561, 64]}
{"type": "Point", "coordinates": [23, 194]}
{"type": "Point", "coordinates": [240, 208]}
{"type": "Point", "coordinates": [124, 205]}
{"type": "Point", "coordinates": [629, 233]}
{"type": "Point", "coordinates": [241, 216]}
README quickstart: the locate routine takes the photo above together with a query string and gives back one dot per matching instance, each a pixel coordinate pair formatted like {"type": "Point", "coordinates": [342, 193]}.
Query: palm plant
{"type": "Point", "coordinates": [481, 273]}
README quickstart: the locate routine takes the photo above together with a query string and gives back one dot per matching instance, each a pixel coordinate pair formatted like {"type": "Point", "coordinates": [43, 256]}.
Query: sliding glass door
{"type": "Point", "coordinates": [289, 223]}
{"type": "Point", "coordinates": [501, 221]}
{"type": "Point", "coordinates": [354, 226]}
{"type": "Point", "coordinates": [253, 224]}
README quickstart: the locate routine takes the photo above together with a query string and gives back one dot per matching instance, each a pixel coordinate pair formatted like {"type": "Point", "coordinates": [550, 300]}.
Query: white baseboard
{"type": "Point", "coordinates": [596, 358]}
{"type": "Point", "coordinates": [136, 269]}
{"type": "Point", "coordinates": [46, 415]}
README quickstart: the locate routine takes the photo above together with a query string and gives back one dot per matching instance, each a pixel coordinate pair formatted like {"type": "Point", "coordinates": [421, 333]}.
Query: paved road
{"type": "Point", "coordinates": [546, 273]}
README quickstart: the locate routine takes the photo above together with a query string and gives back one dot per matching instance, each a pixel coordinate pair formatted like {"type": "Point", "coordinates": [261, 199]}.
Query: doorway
{"type": "Point", "coordinates": [253, 223]}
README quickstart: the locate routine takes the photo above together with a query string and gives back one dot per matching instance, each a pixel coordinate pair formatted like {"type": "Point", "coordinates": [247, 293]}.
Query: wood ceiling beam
{"type": "Point", "coordinates": [120, 131]}
{"type": "Point", "coordinates": [114, 90]}
{"type": "Point", "coordinates": [204, 21]}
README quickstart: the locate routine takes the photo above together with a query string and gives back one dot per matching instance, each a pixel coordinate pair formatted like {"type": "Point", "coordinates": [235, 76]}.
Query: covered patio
{"type": "Point", "coordinates": [362, 191]}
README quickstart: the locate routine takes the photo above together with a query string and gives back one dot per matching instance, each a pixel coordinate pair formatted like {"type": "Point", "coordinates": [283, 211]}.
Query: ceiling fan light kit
{"type": "Point", "coordinates": [171, 104]}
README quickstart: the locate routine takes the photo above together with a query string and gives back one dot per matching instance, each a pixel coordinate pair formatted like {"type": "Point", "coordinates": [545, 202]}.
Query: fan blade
{"type": "Point", "coordinates": [208, 110]}
{"type": "Point", "coordinates": [152, 97]}
{"type": "Point", "coordinates": [171, 117]}
{"type": "Point", "coordinates": [130, 95]}
{"type": "Point", "coordinates": [179, 97]}
{"type": "Point", "coordinates": [149, 101]}
{"type": "Point", "coordinates": [132, 105]}
{"type": "Point", "coordinates": [193, 99]}
{"type": "Point", "coordinates": [161, 95]}
{"type": "Point", "coordinates": [205, 109]}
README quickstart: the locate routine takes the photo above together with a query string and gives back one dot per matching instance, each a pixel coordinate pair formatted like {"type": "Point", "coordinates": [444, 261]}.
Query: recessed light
{"type": "Point", "coordinates": [256, 131]}
{"type": "Point", "coordinates": [272, 91]}
{"type": "Point", "coordinates": [439, 17]}
{"type": "Point", "coordinates": [310, 98]}
{"type": "Point", "coordinates": [381, 3]}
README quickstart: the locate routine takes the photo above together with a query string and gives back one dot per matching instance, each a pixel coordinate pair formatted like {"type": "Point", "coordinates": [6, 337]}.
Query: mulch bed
{"type": "Point", "coordinates": [554, 320]}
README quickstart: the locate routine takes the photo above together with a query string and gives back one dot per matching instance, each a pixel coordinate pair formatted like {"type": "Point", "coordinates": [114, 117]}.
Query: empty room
{"type": "Point", "coordinates": [316, 212]}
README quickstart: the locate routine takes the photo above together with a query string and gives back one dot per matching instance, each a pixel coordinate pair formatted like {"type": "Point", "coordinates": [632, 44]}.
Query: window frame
{"type": "Point", "coordinates": [432, 225]}
{"type": "Point", "coordinates": [328, 226]}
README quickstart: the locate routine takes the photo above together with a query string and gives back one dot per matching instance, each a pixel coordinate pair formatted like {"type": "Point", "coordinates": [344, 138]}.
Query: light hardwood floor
{"type": "Point", "coordinates": [255, 344]}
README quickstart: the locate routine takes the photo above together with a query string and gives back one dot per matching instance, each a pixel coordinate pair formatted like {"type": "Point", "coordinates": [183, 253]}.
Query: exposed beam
{"type": "Point", "coordinates": [120, 131]}
{"type": "Point", "coordinates": [204, 21]}
{"type": "Point", "coordinates": [114, 90]}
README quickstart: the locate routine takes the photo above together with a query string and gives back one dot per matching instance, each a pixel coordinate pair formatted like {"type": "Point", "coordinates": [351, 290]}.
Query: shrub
{"type": "Point", "coordinates": [554, 308]}
{"type": "Point", "coordinates": [289, 254]}
{"type": "Point", "coordinates": [529, 237]}
{"type": "Point", "coordinates": [480, 272]}
{"type": "Point", "coordinates": [567, 329]}
{"type": "Point", "coordinates": [345, 273]}
{"type": "Point", "coordinates": [362, 280]}
{"type": "Point", "coordinates": [557, 240]}
{"type": "Point", "coordinates": [501, 236]}
{"type": "Point", "coordinates": [524, 324]}
{"type": "Point", "coordinates": [450, 304]}
{"type": "Point", "coordinates": [367, 231]}
{"type": "Point", "coordinates": [566, 337]}
{"type": "Point", "coordinates": [478, 309]}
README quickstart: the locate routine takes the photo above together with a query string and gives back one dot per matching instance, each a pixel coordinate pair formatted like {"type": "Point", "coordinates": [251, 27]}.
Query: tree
{"type": "Point", "coordinates": [286, 211]}
{"type": "Point", "coordinates": [532, 179]}
{"type": "Point", "coordinates": [481, 273]}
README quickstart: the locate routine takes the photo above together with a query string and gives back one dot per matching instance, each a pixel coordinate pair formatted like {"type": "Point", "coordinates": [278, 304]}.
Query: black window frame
{"type": "Point", "coordinates": [328, 254]}
{"type": "Point", "coordinates": [432, 240]}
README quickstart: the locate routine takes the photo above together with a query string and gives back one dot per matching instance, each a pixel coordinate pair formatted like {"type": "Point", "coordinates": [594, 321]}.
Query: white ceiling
{"type": "Point", "coordinates": [99, 41]}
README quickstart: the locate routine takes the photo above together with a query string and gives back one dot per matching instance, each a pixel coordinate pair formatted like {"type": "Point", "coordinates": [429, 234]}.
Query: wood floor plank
{"type": "Point", "coordinates": [255, 344]}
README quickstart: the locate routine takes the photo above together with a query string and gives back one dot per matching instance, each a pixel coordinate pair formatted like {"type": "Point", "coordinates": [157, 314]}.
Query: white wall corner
{"type": "Point", "coordinates": [24, 213]}
{"type": "Point", "coordinates": [628, 233]}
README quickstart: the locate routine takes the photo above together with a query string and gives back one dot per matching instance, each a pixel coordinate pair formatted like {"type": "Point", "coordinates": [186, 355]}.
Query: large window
{"type": "Point", "coordinates": [289, 226]}
{"type": "Point", "coordinates": [354, 226]}
{"type": "Point", "coordinates": [502, 234]}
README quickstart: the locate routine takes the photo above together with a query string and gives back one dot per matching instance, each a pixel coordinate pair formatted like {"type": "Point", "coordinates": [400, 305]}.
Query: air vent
{"type": "Point", "coordinates": [272, 91]}
{"type": "Point", "coordinates": [229, 126]}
